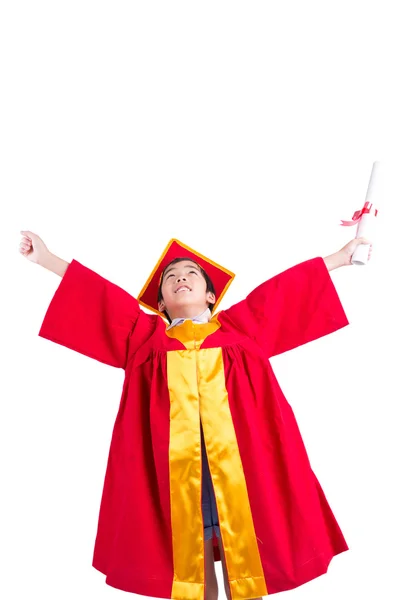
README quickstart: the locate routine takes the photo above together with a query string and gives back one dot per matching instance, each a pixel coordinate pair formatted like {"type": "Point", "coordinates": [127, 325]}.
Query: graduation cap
{"type": "Point", "coordinates": [221, 277]}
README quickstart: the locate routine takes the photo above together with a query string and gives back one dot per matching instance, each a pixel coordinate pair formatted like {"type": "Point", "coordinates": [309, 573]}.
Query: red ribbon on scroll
{"type": "Point", "coordinates": [359, 213]}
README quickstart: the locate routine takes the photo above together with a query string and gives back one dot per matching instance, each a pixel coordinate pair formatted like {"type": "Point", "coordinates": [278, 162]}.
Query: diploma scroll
{"type": "Point", "coordinates": [366, 217]}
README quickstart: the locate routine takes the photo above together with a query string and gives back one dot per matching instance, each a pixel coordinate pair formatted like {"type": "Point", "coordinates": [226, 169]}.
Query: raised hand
{"type": "Point", "coordinates": [348, 250]}
{"type": "Point", "coordinates": [33, 247]}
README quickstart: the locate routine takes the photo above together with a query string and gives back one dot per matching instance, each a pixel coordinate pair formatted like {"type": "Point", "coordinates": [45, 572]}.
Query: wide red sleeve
{"type": "Point", "coordinates": [91, 315]}
{"type": "Point", "coordinates": [292, 308]}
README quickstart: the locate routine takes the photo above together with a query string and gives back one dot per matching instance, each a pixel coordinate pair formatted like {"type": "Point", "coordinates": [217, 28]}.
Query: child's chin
{"type": "Point", "coordinates": [183, 301]}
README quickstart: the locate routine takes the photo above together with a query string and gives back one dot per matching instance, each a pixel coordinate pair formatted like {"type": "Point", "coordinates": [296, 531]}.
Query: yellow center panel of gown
{"type": "Point", "coordinates": [196, 382]}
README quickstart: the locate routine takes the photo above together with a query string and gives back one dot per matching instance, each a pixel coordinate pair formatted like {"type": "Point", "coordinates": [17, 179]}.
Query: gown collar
{"type": "Point", "coordinates": [204, 317]}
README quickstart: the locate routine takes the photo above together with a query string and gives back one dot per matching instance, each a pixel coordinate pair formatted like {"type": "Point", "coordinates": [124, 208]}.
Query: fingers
{"type": "Point", "coordinates": [364, 240]}
{"type": "Point", "coordinates": [27, 237]}
{"type": "Point", "coordinates": [25, 245]}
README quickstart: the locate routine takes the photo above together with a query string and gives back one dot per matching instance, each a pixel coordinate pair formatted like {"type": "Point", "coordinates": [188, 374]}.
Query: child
{"type": "Point", "coordinates": [204, 443]}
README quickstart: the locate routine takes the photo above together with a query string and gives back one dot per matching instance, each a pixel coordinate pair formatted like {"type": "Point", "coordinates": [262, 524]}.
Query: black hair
{"type": "Point", "coordinates": [209, 283]}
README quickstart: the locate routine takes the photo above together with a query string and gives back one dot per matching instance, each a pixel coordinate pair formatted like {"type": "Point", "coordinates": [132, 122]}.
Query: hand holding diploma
{"type": "Point", "coordinates": [346, 254]}
{"type": "Point", "coordinates": [344, 257]}
{"type": "Point", "coordinates": [365, 218]}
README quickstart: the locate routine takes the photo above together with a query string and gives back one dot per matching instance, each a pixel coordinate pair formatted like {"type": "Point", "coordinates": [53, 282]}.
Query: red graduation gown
{"type": "Point", "coordinates": [277, 528]}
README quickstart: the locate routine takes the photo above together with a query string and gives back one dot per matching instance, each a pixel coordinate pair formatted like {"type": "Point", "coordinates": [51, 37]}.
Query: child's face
{"type": "Point", "coordinates": [184, 290]}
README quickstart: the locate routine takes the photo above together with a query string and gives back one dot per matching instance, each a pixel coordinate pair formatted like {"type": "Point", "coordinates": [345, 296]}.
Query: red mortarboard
{"type": "Point", "coordinates": [221, 277]}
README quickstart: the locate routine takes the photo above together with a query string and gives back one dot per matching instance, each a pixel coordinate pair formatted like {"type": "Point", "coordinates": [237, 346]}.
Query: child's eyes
{"type": "Point", "coordinates": [172, 274]}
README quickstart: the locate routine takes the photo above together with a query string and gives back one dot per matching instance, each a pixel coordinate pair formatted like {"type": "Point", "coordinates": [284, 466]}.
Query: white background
{"type": "Point", "coordinates": [247, 131]}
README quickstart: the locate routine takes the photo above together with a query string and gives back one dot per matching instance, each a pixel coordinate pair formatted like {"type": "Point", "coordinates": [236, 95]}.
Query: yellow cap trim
{"type": "Point", "coordinates": [211, 262]}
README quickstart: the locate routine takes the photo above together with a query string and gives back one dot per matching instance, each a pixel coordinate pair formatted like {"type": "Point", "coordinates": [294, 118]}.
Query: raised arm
{"type": "Point", "coordinates": [55, 264]}
{"type": "Point", "coordinates": [292, 308]}
{"type": "Point", "coordinates": [87, 313]}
